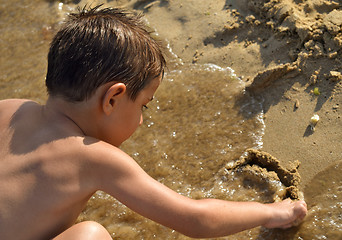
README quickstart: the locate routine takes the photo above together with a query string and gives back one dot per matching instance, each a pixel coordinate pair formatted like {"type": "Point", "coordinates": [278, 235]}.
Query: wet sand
{"type": "Point", "coordinates": [256, 39]}
{"type": "Point", "coordinates": [288, 56]}
{"type": "Point", "coordinates": [283, 51]}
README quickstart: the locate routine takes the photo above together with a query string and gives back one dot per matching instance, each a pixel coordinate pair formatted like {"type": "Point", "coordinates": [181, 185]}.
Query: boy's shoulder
{"type": "Point", "coordinates": [9, 107]}
{"type": "Point", "coordinates": [26, 119]}
{"type": "Point", "coordinates": [30, 134]}
{"type": "Point", "coordinates": [14, 101]}
{"type": "Point", "coordinates": [30, 130]}
{"type": "Point", "coordinates": [13, 104]}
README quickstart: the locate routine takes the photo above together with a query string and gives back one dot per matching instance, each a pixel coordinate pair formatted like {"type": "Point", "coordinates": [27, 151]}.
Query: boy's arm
{"type": "Point", "coordinates": [120, 176]}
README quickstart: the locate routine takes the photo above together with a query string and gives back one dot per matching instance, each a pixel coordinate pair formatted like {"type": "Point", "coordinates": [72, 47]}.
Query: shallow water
{"type": "Point", "coordinates": [24, 42]}
{"type": "Point", "coordinates": [192, 128]}
{"type": "Point", "coordinates": [199, 120]}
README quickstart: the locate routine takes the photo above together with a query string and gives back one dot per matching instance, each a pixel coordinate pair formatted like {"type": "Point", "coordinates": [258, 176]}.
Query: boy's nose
{"type": "Point", "coordinates": [141, 120]}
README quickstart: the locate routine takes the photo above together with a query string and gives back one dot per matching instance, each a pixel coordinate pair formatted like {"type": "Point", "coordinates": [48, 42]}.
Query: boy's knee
{"type": "Point", "coordinates": [95, 230]}
{"type": "Point", "coordinates": [85, 231]}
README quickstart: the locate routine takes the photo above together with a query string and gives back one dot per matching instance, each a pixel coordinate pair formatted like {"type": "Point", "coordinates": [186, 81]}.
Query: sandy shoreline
{"type": "Point", "coordinates": [283, 50]}
{"type": "Point", "coordinates": [288, 54]}
{"type": "Point", "coordinates": [256, 39]}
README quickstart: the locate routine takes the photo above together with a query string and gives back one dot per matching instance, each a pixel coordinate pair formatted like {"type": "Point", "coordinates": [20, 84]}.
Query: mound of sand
{"type": "Point", "coordinates": [262, 168]}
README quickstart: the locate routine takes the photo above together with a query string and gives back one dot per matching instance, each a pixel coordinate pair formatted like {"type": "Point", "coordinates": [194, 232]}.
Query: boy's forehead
{"type": "Point", "coordinates": [157, 81]}
{"type": "Point", "coordinates": [152, 87]}
{"type": "Point", "coordinates": [159, 78]}
{"type": "Point", "coordinates": [148, 91]}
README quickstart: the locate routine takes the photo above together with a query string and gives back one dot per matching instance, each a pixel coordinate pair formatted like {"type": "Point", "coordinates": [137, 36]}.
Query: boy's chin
{"type": "Point", "coordinates": [118, 144]}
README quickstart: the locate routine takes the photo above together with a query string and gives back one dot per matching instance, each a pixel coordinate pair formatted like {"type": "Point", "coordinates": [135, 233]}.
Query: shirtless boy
{"type": "Point", "coordinates": [103, 68]}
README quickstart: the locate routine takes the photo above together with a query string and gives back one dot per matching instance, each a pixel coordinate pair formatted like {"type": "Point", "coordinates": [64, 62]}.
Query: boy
{"type": "Point", "coordinates": [103, 68]}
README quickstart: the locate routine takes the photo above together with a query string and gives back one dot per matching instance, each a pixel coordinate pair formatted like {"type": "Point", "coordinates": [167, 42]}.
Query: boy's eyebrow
{"type": "Point", "coordinates": [151, 98]}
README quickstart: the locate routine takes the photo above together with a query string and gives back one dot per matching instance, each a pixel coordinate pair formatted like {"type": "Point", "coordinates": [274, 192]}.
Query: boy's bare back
{"type": "Point", "coordinates": [40, 179]}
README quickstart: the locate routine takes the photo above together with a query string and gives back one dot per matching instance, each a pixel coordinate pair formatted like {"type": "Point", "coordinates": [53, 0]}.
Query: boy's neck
{"type": "Point", "coordinates": [78, 114]}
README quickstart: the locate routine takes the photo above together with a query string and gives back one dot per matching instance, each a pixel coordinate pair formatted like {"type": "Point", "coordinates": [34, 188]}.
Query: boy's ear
{"type": "Point", "coordinates": [111, 96]}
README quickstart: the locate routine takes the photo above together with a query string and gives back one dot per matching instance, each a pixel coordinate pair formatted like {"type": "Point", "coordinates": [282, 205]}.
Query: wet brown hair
{"type": "Point", "coordinates": [96, 46]}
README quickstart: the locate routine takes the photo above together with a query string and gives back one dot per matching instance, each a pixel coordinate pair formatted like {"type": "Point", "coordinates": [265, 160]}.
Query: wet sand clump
{"type": "Point", "coordinates": [265, 78]}
{"type": "Point", "coordinates": [260, 167]}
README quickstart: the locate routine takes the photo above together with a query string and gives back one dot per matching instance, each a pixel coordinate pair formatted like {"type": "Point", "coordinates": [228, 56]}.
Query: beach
{"type": "Point", "coordinates": [252, 37]}
{"type": "Point", "coordinates": [269, 66]}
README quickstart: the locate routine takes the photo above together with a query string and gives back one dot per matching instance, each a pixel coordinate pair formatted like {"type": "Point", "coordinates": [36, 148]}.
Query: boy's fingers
{"type": "Point", "coordinates": [297, 221]}
{"type": "Point", "coordinates": [303, 203]}
{"type": "Point", "coordinates": [300, 206]}
{"type": "Point", "coordinates": [302, 210]}
{"type": "Point", "coordinates": [294, 223]}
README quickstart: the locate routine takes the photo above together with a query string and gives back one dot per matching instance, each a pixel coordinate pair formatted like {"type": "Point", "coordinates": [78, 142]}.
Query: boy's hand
{"type": "Point", "coordinates": [286, 214]}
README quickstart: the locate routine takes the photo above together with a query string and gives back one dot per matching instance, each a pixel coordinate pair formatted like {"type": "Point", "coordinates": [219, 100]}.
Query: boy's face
{"type": "Point", "coordinates": [128, 114]}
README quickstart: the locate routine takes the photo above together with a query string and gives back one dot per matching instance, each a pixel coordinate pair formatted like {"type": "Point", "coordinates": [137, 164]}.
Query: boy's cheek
{"type": "Point", "coordinates": [141, 120]}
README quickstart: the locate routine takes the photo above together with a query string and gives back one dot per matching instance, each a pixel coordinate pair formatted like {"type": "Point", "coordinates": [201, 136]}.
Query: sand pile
{"type": "Point", "coordinates": [260, 168]}
{"type": "Point", "coordinates": [313, 26]}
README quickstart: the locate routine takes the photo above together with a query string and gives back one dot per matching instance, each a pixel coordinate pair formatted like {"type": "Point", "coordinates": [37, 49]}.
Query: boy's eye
{"type": "Point", "coordinates": [145, 107]}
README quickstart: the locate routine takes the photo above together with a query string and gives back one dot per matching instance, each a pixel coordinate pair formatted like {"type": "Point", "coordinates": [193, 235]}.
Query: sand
{"type": "Point", "coordinates": [261, 166]}
{"type": "Point", "coordinates": [288, 55]}
{"type": "Point", "coordinates": [287, 52]}
{"type": "Point", "coordinates": [283, 50]}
